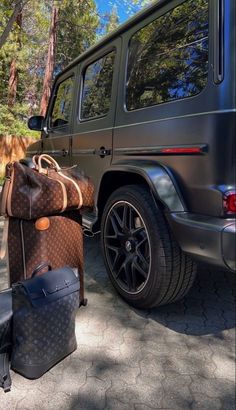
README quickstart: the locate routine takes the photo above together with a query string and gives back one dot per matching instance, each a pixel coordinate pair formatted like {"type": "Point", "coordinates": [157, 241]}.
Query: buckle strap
{"type": "Point", "coordinates": [5, 378]}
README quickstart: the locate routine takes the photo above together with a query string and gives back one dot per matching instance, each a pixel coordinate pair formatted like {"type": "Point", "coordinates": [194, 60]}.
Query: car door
{"type": "Point", "coordinates": [96, 102]}
{"type": "Point", "coordinates": [56, 138]}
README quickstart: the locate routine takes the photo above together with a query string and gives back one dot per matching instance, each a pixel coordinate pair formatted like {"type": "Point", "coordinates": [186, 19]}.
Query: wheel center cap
{"type": "Point", "coordinates": [128, 246]}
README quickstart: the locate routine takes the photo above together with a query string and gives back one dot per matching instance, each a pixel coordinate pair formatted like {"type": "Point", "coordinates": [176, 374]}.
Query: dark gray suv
{"type": "Point", "coordinates": [150, 114]}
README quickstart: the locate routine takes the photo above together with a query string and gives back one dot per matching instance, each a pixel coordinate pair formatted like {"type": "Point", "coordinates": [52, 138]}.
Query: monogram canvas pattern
{"type": "Point", "coordinates": [33, 194]}
{"type": "Point", "coordinates": [85, 185]}
{"type": "Point", "coordinates": [45, 334]}
{"type": "Point", "coordinates": [15, 251]}
{"type": "Point", "coordinates": [61, 244]}
{"type": "Point", "coordinates": [87, 190]}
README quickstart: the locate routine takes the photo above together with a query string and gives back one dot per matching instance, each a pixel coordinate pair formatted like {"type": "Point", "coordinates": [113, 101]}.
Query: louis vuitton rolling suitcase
{"type": "Point", "coordinates": [56, 240]}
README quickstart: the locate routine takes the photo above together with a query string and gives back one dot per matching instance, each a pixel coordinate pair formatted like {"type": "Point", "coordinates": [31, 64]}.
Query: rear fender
{"type": "Point", "coordinates": [159, 179]}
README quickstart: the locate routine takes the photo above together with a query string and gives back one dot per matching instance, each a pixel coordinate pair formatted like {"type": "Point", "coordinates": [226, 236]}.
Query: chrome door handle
{"type": "Point", "coordinates": [103, 152]}
{"type": "Point", "coordinates": [65, 152]}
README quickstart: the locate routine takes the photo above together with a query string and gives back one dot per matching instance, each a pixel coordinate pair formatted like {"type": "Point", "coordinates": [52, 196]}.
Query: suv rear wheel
{"type": "Point", "coordinates": [143, 260]}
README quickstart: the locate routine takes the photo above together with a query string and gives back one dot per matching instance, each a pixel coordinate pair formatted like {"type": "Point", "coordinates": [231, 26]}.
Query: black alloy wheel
{"type": "Point", "coordinates": [127, 247]}
{"type": "Point", "coordinates": [143, 260]}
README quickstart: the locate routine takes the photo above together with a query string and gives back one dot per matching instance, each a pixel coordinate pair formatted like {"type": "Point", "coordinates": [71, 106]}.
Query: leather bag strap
{"type": "Point", "coordinates": [6, 189]}
{"type": "Point", "coordinates": [3, 246]}
{"type": "Point", "coordinates": [40, 267]}
{"type": "Point", "coordinates": [37, 160]}
{"type": "Point", "coordinates": [5, 378]}
{"type": "Point", "coordinates": [76, 187]}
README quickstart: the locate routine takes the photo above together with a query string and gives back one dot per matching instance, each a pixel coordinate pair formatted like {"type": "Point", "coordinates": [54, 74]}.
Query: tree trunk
{"type": "Point", "coordinates": [12, 84]}
{"type": "Point", "coordinates": [17, 9]}
{"type": "Point", "coordinates": [50, 61]}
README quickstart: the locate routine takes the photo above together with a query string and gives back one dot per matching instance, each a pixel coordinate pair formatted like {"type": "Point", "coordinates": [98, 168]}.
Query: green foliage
{"type": "Point", "coordinates": [169, 57]}
{"type": "Point", "coordinates": [131, 6]}
{"type": "Point", "coordinates": [27, 45]}
{"type": "Point", "coordinates": [77, 25]}
{"type": "Point", "coordinates": [62, 106]}
{"type": "Point", "coordinates": [13, 123]}
{"type": "Point", "coordinates": [97, 87]}
{"type": "Point", "coordinates": [113, 21]}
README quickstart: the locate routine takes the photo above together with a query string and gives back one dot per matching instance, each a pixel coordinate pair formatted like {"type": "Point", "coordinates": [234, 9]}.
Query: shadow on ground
{"type": "Point", "coordinates": [209, 307]}
{"type": "Point", "coordinates": [177, 357]}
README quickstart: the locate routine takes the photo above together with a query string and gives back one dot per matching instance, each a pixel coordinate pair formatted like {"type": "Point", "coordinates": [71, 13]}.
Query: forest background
{"type": "Point", "coordinates": [38, 38]}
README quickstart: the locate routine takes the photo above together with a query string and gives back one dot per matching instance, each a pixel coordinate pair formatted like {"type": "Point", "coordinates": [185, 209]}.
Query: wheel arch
{"type": "Point", "coordinates": [158, 178]}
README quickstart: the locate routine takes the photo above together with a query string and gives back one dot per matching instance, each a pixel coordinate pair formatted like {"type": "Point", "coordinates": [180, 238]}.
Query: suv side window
{"type": "Point", "coordinates": [62, 104]}
{"type": "Point", "coordinates": [97, 87]}
{"type": "Point", "coordinates": [168, 58]}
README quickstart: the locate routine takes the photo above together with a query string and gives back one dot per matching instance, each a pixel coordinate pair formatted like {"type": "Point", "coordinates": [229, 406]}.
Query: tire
{"type": "Point", "coordinates": [144, 262]}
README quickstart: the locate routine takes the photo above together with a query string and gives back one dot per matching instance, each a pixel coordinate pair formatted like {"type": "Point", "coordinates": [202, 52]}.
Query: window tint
{"type": "Point", "coordinates": [96, 96]}
{"type": "Point", "coordinates": [63, 103]}
{"type": "Point", "coordinates": [168, 59]}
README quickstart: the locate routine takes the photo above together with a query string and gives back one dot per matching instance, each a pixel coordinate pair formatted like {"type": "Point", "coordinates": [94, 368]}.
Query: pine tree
{"type": "Point", "coordinates": [13, 79]}
{"type": "Point", "coordinates": [50, 64]}
{"type": "Point", "coordinates": [113, 21]}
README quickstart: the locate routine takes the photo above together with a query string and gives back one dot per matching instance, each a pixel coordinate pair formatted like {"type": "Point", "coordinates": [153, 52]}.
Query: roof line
{"type": "Point", "coordinates": [123, 27]}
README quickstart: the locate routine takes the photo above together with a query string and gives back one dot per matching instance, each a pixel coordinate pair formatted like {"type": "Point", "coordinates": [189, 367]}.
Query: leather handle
{"type": "Point", "coordinates": [6, 188]}
{"type": "Point", "coordinates": [37, 160]}
{"type": "Point", "coordinates": [40, 267]}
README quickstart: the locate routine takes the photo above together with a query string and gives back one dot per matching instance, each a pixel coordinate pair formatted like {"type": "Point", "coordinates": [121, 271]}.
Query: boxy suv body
{"type": "Point", "coordinates": [149, 113]}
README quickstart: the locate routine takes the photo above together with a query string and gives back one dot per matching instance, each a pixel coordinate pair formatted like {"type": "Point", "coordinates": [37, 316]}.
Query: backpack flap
{"type": "Point", "coordinates": [50, 286]}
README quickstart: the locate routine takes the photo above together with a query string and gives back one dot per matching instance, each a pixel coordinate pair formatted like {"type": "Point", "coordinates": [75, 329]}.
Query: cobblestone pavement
{"type": "Point", "coordinates": [179, 356]}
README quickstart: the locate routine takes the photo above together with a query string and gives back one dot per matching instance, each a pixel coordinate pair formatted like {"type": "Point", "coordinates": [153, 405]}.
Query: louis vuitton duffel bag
{"type": "Point", "coordinates": [30, 193]}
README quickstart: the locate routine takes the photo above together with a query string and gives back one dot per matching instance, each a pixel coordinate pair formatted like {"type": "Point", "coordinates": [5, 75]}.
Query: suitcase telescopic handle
{"type": "Point", "coordinates": [40, 267]}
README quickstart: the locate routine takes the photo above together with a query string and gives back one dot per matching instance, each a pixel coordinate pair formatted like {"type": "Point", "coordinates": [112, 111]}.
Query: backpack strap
{"type": "Point", "coordinates": [5, 378]}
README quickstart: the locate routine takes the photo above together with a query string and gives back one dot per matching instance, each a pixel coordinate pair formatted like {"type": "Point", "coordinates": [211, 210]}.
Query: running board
{"type": "Point", "coordinates": [88, 220]}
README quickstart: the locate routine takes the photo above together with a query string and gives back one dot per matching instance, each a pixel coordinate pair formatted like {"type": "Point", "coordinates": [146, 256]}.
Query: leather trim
{"type": "Point", "coordinates": [77, 188]}
{"type": "Point", "coordinates": [64, 196]}
{"type": "Point", "coordinates": [3, 210]}
{"type": "Point", "coordinates": [5, 203]}
{"type": "Point", "coordinates": [9, 195]}
{"type": "Point", "coordinates": [23, 248]}
{"type": "Point", "coordinates": [3, 247]}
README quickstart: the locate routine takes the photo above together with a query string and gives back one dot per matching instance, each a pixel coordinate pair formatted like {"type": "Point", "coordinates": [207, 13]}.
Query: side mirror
{"type": "Point", "coordinates": [36, 123]}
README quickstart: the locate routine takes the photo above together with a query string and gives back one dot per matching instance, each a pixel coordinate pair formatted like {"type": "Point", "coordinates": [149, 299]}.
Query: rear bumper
{"type": "Point", "coordinates": [207, 239]}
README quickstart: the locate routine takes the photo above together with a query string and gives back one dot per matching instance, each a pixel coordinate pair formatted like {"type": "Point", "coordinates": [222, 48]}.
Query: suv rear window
{"type": "Point", "coordinates": [97, 87]}
{"type": "Point", "coordinates": [168, 58]}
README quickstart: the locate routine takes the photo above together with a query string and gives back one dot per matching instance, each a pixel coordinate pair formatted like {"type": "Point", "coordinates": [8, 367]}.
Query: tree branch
{"type": "Point", "coordinates": [17, 9]}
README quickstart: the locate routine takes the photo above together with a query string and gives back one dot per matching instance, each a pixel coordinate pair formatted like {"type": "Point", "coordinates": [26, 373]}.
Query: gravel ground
{"type": "Point", "coordinates": [180, 356]}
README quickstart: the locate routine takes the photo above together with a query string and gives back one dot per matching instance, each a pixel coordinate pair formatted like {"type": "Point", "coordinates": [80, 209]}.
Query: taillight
{"type": "Point", "coordinates": [230, 202]}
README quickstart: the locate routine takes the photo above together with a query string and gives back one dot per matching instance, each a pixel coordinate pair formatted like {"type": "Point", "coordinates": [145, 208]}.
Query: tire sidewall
{"type": "Point", "coordinates": [134, 196]}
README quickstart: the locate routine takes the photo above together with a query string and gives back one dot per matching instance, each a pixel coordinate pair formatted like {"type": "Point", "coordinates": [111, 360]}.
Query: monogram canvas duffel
{"type": "Point", "coordinates": [30, 193]}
